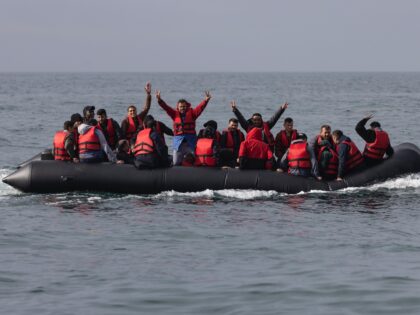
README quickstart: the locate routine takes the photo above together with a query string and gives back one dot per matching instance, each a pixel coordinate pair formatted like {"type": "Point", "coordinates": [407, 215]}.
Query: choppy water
{"type": "Point", "coordinates": [214, 252]}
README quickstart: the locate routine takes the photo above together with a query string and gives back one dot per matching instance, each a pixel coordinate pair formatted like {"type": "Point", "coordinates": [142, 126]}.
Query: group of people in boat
{"type": "Point", "coordinates": [140, 140]}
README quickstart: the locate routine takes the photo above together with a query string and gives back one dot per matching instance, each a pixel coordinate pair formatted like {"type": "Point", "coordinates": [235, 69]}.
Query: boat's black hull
{"type": "Point", "coordinates": [56, 176]}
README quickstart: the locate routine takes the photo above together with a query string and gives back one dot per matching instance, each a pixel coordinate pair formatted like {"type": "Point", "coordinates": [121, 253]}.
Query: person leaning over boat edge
{"type": "Point", "coordinates": [257, 121]}
{"type": "Point", "coordinates": [349, 157]}
{"type": "Point", "coordinates": [378, 145]}
{"type": "Point", "coordinates": [64, 144]}
{"type": "Point", "coordinates": [184, 118]}
{"type": "Point", "coordinates": [133, 122]}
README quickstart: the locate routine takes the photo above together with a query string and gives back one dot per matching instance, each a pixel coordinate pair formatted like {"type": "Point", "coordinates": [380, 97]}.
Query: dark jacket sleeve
{"type": "Point", "coordinates": [69, 145]}
{"type": "Point", "coordinates": [273, 120]}
{"type": "Point", "coordinates": [118, 131]}
{"type": "Point", "coordinates": [165, 129]}
{"type": "Point", "coordinates": [368, 135]}
{"type": "Point", "coordinates": [241, 119]}
{"type": "Point", "coordinates": [223, 139]}
{"type": "Point", "coordinates": [124, 127]}
{"type": "Point", "coordinates": [389, 151]}
{"type": "Point", "coordinates": [161, 148]}
{"type": "Point", "coordinates": [342, 158]}
{"type": "Point", "coordinates": [146, 106]}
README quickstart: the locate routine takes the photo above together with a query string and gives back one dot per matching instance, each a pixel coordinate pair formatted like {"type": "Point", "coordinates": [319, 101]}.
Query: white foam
{"type": "Point", "coordinates": [6, 190]}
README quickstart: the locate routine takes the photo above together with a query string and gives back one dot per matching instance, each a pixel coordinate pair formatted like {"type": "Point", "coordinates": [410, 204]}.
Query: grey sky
{"type": "Point", "coordinates": [209, 35]}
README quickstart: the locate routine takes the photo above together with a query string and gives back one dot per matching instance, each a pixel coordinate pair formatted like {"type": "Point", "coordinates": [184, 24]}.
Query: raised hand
{"type": "Point", "coordinates": [208, 96]}
{"type": "Point", "coordinates": [284, 106]}
{"type": "Point", "coordinates": [158, 95]}
{"type": "Point", "coordinates": [148, 88]}
{"type": "Point", "coordinates": [368, 117]}
{"type": "Point", "coordinates": [233, 104]}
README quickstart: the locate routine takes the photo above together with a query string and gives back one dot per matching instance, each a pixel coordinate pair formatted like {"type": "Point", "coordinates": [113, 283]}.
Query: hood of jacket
{"type": "Point", "coordinates": [254, 134]}
{"type": "Point", "coordinates": [83, 128]}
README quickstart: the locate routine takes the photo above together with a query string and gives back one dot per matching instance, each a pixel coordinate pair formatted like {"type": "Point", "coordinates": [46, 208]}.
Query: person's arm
{"type": "Point", "coordinates": [124, 127]}
{"type": "Point", "coordinates": [361, 130]}
{"type": "Point", "coordinates": [69, 146]}
{"type": "Point", "coordinates": [242, 121]}
{"type": "Point", "coordinates": [169, 110]}
{"type": "Point", "coordinates": [242, 155]}
{"type": "Point", "coordinates": [147, 101]}
{"type": "Point", "coordinates": [314, 162]}
{"type": "Point", "coordinates": [389, 151]}
{"type": "Point", "coordinates": [269, 162]}
{"type": "Point", "coordinates": [165, 129]}
{"type": "Point", "coordinates": [200, 107]}
{"type": "Point", "coordinates": [105, 147]}
{"type": "Point", "coordinates": [284, 162]}
{"type": "Point", "coordinates": [161, 148]}
{"type": "Point", "coordinates": [342, 158]}
{"type": "Point", "coordinates": [118, 131]}
{"type": "Point", "coordinates": [313, 143]}
{"type": "Point", "coordinates": [273, 120]}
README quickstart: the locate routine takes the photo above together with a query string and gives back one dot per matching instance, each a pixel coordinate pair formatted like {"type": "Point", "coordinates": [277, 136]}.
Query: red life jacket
{"type": "Point", "coordinates": [332, 165]}
{"type": "Point", "coordinates": [89, 141]}
{"type": "Point", "coordinates": [268, 136]}
{"type": "Point", "coordinates": [298, 156]}
{"type": "Point", "coordinates": [319, 147]}
{"type": "Point", "coordinates": [144, 144]}
{"type": "Point", "coordinates": [60, 152]}
{"type": "Point", "coordinates": [283, 142]}
{"type": "Point", "coordinates": [110, 131]}
{"type": "Point", "coordinates": [377, 149]}
{"type": "Point", "coordinates": [354, 157]}
{"type": "Point", "coordinates": [230, 143]}
{"type": "Point", "coordinates": [131, 129]}
{"type": "Point", "coordinates": [204, 155]}
{"type": "Point", "coordinates": [186, 126]}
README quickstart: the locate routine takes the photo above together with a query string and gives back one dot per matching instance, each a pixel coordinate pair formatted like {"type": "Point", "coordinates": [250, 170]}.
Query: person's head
{"type": "Point", "coordinates": [89, 112]}
{"type": "Point", "coordinates": [288, 124]}
{"type": "Point", "coordinates": [233, 124]}
{"type": "Point", "coordinates": [210, 123]}
{"type": "Point", "coordinates": [257, 120]}
{"type": "Point", "coordinates": [123, 146]}
{"type": "Point", "coordinates": [336, 135]}
{"type": "Point", "coordinates": [182, 105]}
{"type": "Point", "coordinates": [149, 122]}
{"type": "Point", "coordinates": [132, 111]}
{"type": "Point", "coordinates": [101, 115]}
{"type": "Point", "coordinates": [302, 136]}
{"type": "Point", "coordinates": [68, 125]}
{"type": "Point", "coordinates": [76, 119]}
{"type": "Point", "coordinates": [325, 132]}
{"type": "Point", "coordinates": [374, 125]}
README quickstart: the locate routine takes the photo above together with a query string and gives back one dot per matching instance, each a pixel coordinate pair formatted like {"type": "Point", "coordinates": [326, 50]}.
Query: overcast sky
{"type": "Point", "coordinates": [209, 35]}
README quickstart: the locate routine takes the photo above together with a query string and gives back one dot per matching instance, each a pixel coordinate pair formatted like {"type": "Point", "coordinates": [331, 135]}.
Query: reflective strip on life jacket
{"type": "Point", "coordinates": [60, 152]}
{"type": "Point", "coordinates": [298, 156]}
{"type": "Point", "coordinates": [204, 155]}
{"type": "Point", "coordinates": [186, 125]}
{"type": "Point", "coordinates": [377, 149]}
{"type": "Point", "coordinates": [89, 141]}
{"type": "Point", "coordinates": [144, 144]}
{"type": "Point", "coordinates": [354, 157]}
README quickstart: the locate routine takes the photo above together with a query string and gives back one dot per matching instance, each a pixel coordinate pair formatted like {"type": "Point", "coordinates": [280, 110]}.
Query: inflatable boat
{"type": "Point", "coordinates": [40, 175]}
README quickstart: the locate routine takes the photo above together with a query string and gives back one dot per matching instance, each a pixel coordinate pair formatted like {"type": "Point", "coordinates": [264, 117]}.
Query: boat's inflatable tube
{"type": "Point", "coordinates": [43, 176]}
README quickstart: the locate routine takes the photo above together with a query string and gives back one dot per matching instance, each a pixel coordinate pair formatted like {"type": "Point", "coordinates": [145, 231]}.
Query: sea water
{"type": "Point", "coordinates": [355, 251]}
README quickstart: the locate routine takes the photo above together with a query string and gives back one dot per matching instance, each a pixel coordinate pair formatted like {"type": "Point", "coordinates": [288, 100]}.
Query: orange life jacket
{"type": "Point", "coordinates": [298, 156]}
{"type": "Point", "coordinates": [131, 129]}
{"type": "Point", "coordinates": [332, 165]}
{"type": "Point", "coordinates": [283, 142]}
{"type": "Point", "coordinates": [204, 155]}
{"type": "Point", "coordinates": [230, 143]}
{"type": "Point", "coordinates": [377, 149]}
{"type": "Point", "coordinates": [60, 152]}
{"type": "Point", "coordinates": [354, 157]}
{"type": "Point", "coordinates": [89, 141]}
{"type": "Point", "coordinates": [185, 126]}
{"type": "Point", "coordinates": [268, 136]}
{"type": "Point", "coordinates": [144, 144]}
{"type": "Point", "coordinates": [110, 131]}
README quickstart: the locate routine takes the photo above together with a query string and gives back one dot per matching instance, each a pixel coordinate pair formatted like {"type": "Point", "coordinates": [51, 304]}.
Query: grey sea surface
{"type": "Point", "coordinates": [355, 251]}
